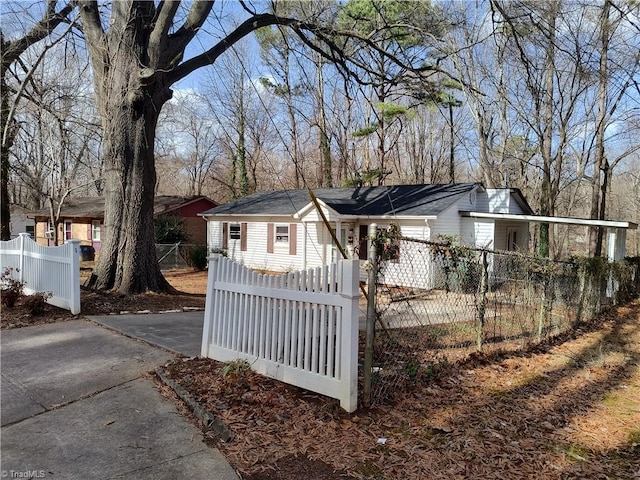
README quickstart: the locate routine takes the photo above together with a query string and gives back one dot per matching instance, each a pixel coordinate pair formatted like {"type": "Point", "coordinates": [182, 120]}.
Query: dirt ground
{"type": "Point", "coordinates": [567, 410]}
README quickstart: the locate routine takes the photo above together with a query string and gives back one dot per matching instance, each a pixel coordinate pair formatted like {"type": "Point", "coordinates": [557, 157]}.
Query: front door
{"type": "Point", "coordinates": [363, 247]}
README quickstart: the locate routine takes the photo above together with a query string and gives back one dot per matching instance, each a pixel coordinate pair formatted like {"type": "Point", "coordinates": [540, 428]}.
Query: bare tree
{"type": "Point", "coordinates": [187, 137]}
{"type": "Point", "coordinates": [137, 51]}
{"type": "Point", "coordinates": [137, 56]}
{"type": "Point", "coordinates": [615, 77]}
{"type": "Point", "coordinates": [11, 49]}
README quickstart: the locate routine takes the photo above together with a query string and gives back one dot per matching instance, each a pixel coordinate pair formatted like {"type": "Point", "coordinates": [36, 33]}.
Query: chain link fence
{"type": "Point", "coordinates": [437, 303]}
{"type": "Point", "coordinates": [175, 255]}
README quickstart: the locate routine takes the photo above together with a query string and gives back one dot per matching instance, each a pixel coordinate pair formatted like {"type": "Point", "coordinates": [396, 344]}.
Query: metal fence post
{"type": "Point", "coordinates": [371, 316]}
{"type": "Point", "coordinates": [484, 287]}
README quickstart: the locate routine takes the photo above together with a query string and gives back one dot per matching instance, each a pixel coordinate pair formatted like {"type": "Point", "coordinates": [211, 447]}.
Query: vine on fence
{"type": "Point", "coordinates": [459, 263]}
{"type": "Point", "coordinates": [443, 300]}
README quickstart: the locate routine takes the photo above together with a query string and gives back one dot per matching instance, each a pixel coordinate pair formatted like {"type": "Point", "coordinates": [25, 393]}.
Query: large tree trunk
{"type": "Point", "coordinates": [598, 190]}
{"type": "Point", "coordinates": [128, 260]}
{"type": "Point", "coordinates": [7, 143]}
{"type": "Point", "coordinates": [546, 200]}
{"type": "Point", "coordinates": [130, 99]}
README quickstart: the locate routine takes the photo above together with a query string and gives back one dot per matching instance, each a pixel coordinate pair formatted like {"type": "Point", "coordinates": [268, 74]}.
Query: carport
{"type": "Point", "coordinates": [616, 230]}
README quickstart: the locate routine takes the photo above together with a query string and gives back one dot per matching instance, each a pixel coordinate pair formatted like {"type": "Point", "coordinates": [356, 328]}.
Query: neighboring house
{"type": "Point", "coordinates": [19, 222]}
{"type": "Point", "coordinates": [82, 218]}
{"type": "Point", "coordinates": [282, 230]}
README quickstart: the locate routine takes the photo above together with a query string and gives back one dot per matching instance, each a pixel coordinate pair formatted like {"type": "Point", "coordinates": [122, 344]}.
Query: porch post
{"type": "Point", "coordinates": [304, 245]}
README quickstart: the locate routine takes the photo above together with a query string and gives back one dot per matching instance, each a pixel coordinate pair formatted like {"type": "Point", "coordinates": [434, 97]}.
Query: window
{"type": "Point", "coordinates": [234, 231]}
{"type": "Point", "coordinates": [31, 230]}
{"type": "Point", "coordinates": [282, 237]}
{"type": "Point", "coordinates": [282, 234]}
{"type": "Point", "coordinates": [95, 230]}
{"type": "Point", "coordinates": [67, 229]}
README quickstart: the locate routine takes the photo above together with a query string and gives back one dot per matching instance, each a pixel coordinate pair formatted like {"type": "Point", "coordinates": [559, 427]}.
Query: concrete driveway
{"type": "Point", "coordinates": [76, 403]}
{"type": "Point", "coordinates": [178, 332]}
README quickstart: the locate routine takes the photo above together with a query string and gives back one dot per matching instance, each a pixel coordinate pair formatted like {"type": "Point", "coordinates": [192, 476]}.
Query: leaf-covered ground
{"type": "Point", "coordinates": [191, 285]}
{"type": "Point", "coordinates": [567, 410]}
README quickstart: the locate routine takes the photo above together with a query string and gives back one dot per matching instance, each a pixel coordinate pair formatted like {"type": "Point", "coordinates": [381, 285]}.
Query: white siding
{"type": "Point", "coordinates": [514, 207]}
{"type": "Point", "coordinates": [417, 229]}
{"type": "Point", "coordinates": [481, 204]}
{"type": "Point", "coordinates": [471, 200]}
{"type": "Point", "coordinates": [448, 223]}
{"type": "Point", "coordinates": [411, 268]}
{"type": "Point", "coordinates": [499, 200]}
{"type": "Point", "coordinates": [256, 255]}
{"type": "Point", "coordinates": [484, 233]}
{"type": "Point", "coordinates": [467, 231]}
{"type": "Point", "coordinates": [214, 235]}
{"type": "Point", "coordinates": [476, 232]}
{"type": "Point", "coordinates": [19, 223]}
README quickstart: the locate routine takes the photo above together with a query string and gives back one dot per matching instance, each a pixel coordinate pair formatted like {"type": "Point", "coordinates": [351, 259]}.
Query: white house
{"type": "Point", "coordinates": [20, 223]}
{"type": "Point", "coordinates": [283, 230]}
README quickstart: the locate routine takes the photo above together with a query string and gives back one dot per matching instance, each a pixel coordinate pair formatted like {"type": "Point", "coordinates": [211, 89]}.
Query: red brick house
{"type": "Point", "coordinates": [82, 218]}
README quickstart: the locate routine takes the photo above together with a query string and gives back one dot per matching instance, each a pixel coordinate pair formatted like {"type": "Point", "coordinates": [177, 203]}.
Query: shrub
{"type": "Point", "coordinates": [198, 257]}
{"type": "Point", "coordinates": [36, 303]}
{"type": "Point", "coordinates": [168, 229]}
{"type": "Point", "coordinates": [12, 289]}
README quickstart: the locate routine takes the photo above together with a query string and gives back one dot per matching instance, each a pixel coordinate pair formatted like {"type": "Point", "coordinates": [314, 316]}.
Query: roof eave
{"type": "Point", "coordinates": [546, 219]}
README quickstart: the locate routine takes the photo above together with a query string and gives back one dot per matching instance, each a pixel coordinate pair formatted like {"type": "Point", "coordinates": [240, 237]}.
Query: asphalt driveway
{"type": "Point", "coordinates": [77, 403]}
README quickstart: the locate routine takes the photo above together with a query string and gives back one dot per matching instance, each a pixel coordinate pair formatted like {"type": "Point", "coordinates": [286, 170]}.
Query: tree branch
{"type": "Point", "coordinates": [177, 42]}
{"type": "Point", "coordinates": [94, 34]}
{"type": "Point", "coordinates": [158, 37]}
{"type": "Point", "coordinates": [51, 19]}
{"type": "Point", "coordinates": [211, 55]}
{"type": "Point", "coordinates": [29, 73]}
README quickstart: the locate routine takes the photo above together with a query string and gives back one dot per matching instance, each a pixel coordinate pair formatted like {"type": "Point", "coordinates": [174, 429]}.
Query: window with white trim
{"type": "Point", "coordinates": [95, 230]}
{"type": "Point", "coordinates": [282, 235]}
{"type": "Point", "coordinates": [67, 230]}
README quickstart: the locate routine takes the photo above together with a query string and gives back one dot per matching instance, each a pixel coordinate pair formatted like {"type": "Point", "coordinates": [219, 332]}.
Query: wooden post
{"type": "Point", "coordinates": [371, 316]}
{"type": "Point", "coordinates": [542, 318]}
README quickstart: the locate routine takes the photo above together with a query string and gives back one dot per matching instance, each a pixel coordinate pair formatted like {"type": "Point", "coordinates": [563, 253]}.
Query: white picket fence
{"type": "Point", "coordinates": [300, 328]}
{"type": "Point", "coordinates": [45, 269]}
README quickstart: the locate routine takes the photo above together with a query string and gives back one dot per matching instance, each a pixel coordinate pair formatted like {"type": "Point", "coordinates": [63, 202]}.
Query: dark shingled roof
{"type": "Point", "coordinates": [93, 207]}
{"type": "Point", "coordinates": [400, 200]}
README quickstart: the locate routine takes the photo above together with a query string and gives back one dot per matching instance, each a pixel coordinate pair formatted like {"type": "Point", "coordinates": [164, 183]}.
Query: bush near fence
{"type": "Point", "coordinates": [437, 302]}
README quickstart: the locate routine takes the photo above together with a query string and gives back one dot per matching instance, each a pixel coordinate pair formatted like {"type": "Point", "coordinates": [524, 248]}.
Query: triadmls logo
{"type": "Point", "coordinates": [23, 474]}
